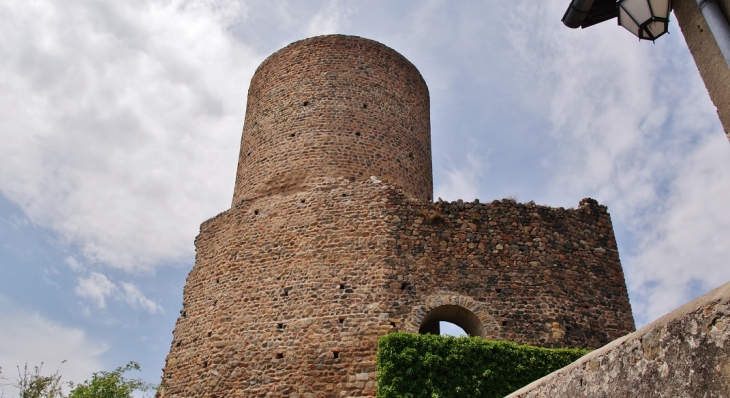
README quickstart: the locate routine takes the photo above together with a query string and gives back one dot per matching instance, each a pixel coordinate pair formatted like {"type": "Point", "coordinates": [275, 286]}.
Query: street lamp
{"type": "Point", "coordinates": [646, 19]}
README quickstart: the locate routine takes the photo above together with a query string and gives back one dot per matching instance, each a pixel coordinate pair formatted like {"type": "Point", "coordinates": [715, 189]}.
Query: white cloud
{"type": "Point", "coordinates": [117, 121]}
{"type": "Point", "coordinates": [135, 298]}
{"type": "Point", "coordinates": [31, 338]}
{"type": "Point", "coordinates": [49, 276]}
{"type": "Point", "coordinates": [74, 264]}
{"type": "Point", "coordinates": [96, 288]}
{"type": "Point", "coordinates": [330, 18]}
{"type": "Point", "coordinates": [462, 182]}
{"type": "Point", "coordinates": [686, 251]}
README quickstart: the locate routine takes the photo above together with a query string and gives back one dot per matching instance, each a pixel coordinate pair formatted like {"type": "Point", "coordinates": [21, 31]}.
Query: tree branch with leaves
{"type": "Point", "coordinates": [33, 384]}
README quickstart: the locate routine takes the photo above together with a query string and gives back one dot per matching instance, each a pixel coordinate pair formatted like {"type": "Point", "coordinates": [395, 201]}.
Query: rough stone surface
{"type": "Point", "coordinates": [708, 58]}
{"type": "Point", "coordinates": [335, 106]}
{"type": "Point", "coordinates": [532, 274]}
{"type": "Point", "coordinates": [683, 354]}
{"type": "Point", "coordinates": [292, 287]}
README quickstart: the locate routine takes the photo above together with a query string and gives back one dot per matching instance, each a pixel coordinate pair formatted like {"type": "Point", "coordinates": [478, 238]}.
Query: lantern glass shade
{"type": "Point", "coordinates": [627, 22]}
{"type": "Point", "coordinates": [646, 19]}
{"type": "Point", "coordinates": [660, 8]}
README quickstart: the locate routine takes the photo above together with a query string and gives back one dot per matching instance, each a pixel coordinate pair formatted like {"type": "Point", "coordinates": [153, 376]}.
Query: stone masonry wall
{"type": "Point", "coordinates": [685, 353]}
{"type": "Point", "coordinates": [543, 276]}
{"type": "Point", "coordinates": [335, 106]}
{"type": "Point", "coordinates": [285, 299]}
{"type": "Point", "coordinates": [289, 293]}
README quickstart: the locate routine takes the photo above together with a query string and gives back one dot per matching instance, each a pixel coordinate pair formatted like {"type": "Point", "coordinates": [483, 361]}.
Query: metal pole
{"type": "Point", "coordinates": [718, 26]}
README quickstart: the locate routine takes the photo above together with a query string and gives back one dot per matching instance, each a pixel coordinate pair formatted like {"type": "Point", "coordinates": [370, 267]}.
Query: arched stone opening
{"type": "Point", "coordinates": [472, 316]}
{"type": "Point", "coordinates": [455, 314]}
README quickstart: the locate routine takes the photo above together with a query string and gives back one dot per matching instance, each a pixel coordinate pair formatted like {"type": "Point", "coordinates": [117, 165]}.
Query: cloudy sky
{"type": "Point", "coordinates": [120, 124]}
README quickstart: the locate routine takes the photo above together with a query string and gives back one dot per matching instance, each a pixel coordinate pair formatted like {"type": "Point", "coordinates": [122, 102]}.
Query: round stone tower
{"type": "Point", "coordinates": [333, 240]}
{"type": "Point", "coordinates": [335, 106]}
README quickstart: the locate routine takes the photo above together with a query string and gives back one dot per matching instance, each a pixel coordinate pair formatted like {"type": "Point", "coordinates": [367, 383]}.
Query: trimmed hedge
{"type": "Point", "coordinates": [431, 366]}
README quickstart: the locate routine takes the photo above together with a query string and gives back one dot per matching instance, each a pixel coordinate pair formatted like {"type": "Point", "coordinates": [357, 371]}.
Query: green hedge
{"type": "Point", "coordinates": [431, 366]}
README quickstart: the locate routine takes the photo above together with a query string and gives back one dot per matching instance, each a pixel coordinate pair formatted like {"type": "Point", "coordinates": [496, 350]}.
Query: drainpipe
{"type": "Point", "coordinates": [718, 26]}
{"type": "Point", "coordinates": [577, 12]}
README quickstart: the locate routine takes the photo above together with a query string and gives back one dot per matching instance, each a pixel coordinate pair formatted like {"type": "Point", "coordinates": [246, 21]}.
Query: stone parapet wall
{"type": "Point", "coordinates": [686, 353]}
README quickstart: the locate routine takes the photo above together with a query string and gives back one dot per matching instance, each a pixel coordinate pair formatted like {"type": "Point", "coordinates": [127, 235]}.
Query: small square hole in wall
{"type": "Point", "coordinates": [336, 354]}
{"type": "Point", "coordinates": [342, 287]}
{"type": "Point", "coordinates": [498, 290]}
{"type": "Point", "coordinates": [280, 326]}
{"type": "Point", "coordinates": [342, 319]}
{"type": "Point", "coordinates": [279, 355]}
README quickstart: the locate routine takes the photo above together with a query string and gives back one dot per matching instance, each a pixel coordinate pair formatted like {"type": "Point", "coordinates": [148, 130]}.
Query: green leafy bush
{"type": "Point", "coordinates": [32, 384]}
{"type": "Point", "coordinates": [431, 366]}
{"type": "Point", "coordinates": [110, 384]}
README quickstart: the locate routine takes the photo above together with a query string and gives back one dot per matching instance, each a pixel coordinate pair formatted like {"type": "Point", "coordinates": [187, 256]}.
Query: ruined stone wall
{"type": "Point", "coordinates": [539, 275]}
{"type": "Point", "coordinates": [335, 106]}
{"type": "Point", "coordinates": [708, 58]}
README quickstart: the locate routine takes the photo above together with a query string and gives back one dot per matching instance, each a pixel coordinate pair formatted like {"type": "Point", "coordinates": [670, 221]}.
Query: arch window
{"type": "Point", "coordinates": [450, 329]}
{"type": "Point", "coordinates": [459, 316]}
